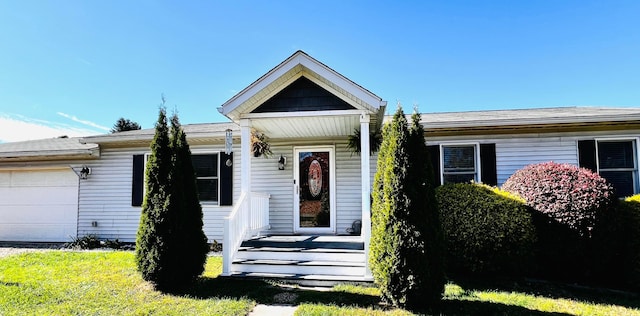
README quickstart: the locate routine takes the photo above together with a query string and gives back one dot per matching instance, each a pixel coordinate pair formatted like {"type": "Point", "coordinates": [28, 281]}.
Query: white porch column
{"type": "Point", "coordinates": [245, 156]}
{"type": "Point", "coordinates": [365, 180]}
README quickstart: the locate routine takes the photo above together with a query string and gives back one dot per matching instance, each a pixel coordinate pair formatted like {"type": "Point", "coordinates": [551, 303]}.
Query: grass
{"type": "Point", "coordinates": [106, 283]}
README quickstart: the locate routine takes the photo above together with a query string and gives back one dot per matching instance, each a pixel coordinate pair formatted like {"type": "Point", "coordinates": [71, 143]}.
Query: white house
{"type": "Point", "coordinates": [312, 192]}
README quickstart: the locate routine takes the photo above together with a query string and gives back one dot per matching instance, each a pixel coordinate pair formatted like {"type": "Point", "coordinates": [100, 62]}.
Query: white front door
{"type": "Point", "coordinates": [314, 190]}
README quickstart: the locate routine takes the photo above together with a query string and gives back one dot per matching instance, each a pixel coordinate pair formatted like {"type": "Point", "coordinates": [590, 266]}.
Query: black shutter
{"type": "Point", "coordinates": [489, 172]}
{"type": "Point", "coordinates": [137, 180]}
{"type": "Point", "coordinates": [434, 155]}
{"type": "Point", "coordinates": [587, 154]}
{"type": "Point", "coordinates": [226, 179]}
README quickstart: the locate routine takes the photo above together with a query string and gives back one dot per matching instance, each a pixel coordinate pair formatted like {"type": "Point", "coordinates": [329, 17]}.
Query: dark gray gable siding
{"type": "Point", "coordinates": [303, 95]}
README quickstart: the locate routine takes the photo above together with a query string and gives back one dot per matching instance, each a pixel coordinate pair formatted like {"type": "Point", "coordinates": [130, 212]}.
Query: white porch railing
{"type": "Point", "coordinates": [247, 219]}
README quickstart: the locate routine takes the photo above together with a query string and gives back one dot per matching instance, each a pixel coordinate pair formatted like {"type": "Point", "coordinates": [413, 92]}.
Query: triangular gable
{"type": "Point", "coordinates": [289, 71]}
{"type": "Point", "coordinates": [303, 95]}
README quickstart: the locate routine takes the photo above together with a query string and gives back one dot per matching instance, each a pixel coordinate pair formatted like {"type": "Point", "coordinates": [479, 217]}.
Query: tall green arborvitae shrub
{"type": "Point", "coordinates": [379, 242]}
{"type": "Point", "coordinates": [154, 234]}
{"type": "Point", "coordinates": [191, 241]}
{"type": "Point", "coordinates": [389, 200]}
{"type": "Point", "coordinates": [171, 246]}
{"type": "Point", "coordinates": [422, 246]}
{"type": "Point", "coordinates": [378, 248]}
{"type": "Point", "coordinates": [398, 251]}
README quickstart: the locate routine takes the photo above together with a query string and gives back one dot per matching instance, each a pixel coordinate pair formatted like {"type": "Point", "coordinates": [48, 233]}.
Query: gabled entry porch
{"type": "Point", "coordinates": [307, 111]}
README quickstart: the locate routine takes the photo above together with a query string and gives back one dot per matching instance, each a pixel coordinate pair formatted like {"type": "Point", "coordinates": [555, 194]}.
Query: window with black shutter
{"type": "Point", "coordinates": [213, 179]}
{"type": "Point", "coordinates": [617, 164]}
{"type": "Point", "coordinates": [207, 176]}
{"type": "Point", "coordinates": [459, 163]}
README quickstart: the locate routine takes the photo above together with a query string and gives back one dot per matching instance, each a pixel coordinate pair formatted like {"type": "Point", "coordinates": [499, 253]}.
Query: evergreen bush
{"type": "Point", "coordinates": [568, 194]}
{"type": "Point", "coordinates": [154, 233]}
{"type": "Point", "coordinates": [423, 248]}
{"type": "Point", "coordinates": [171, 247]}
{"type": "Point", "coordinates": [406, 242]}
{"type": "Point", "coordinates": [191, 240]}
{"type": "Point", "coordinates": [389, 200]}
{"type": "Point", "coordinates": [486, 230]}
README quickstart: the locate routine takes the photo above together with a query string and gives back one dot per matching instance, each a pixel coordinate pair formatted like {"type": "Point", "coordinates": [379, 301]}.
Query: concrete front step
{"type": "Point", "coordinates": [301, 255]}
{"type": "Point", "coordinates": [304, 245]}
{"type": "Point", "coordinates": [300, 267]}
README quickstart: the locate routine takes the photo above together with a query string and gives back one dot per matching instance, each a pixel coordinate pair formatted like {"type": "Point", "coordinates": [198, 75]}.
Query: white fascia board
{"type": "Point", "coordinates": [301, 114]}
{"type": "Point", "coordinates": [256, 86]}
{"type": "Point", "coordinates": [50, 155]}
{"type": "Point", "coordinates": [29, 167]}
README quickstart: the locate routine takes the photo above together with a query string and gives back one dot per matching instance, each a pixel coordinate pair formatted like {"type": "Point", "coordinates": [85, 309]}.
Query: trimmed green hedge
{"type": "Point", "coordinates": [616, 244]}
{"type": "Point", "coordinates": [487, 230]}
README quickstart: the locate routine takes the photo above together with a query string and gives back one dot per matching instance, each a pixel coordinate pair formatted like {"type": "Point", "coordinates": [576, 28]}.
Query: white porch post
{"type": "Point", "coordinates": [245, 155]}
{"type": "Point", "coordinates": [365, 180]}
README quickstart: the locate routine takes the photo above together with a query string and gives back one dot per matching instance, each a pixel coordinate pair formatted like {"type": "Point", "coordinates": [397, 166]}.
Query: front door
{"type": "Point", "coordinates": [314, 190]}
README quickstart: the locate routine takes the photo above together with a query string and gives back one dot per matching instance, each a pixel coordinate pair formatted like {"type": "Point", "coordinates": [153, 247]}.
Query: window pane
{"type": "Point", "coordinates": [459, 158]}
{"type": "Point", "coordinates": [458, 178]}
{"type": "Point", "coordinates": [622, 181]}
{"type": "Point", "coordinates": [208, 189]}
{"type": "Point", "coordinates": [205, 165]}
{"type": "Point", "coordinates": [615, 154]}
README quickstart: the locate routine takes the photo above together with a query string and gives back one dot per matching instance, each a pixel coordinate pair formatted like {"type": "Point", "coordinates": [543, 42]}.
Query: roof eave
{"type": "Point", "coordinates": [528, 122]}
{"type": "Point", "coordinates": [93, 153]}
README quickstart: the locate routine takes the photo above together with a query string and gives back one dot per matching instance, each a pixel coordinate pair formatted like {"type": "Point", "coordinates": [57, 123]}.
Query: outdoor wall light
{"type": "Point", "coordinates": [85, 172]}
{"type": "Point", "coordinates": [282, 162]}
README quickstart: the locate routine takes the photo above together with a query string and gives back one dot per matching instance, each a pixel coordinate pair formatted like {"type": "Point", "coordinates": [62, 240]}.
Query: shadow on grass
{"type": "Point", "coordinates": [552, 290]}
{"type": "Point", "coordinates": [462, 307]}
{"type": "Point", "coordinates": [271, 292]}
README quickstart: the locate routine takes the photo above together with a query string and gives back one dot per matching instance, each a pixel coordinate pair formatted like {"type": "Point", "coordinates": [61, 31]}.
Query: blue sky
{"type": "Point", "coordinates": [74, 67]}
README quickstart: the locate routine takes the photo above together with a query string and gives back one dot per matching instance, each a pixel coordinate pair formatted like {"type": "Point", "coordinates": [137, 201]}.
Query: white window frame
{"type": "Point", "coordinates": [195, 152]}
{"type": "Point", "coordinates": [636, 154]}
{"type": "Point", "coordinates": [476, 162]}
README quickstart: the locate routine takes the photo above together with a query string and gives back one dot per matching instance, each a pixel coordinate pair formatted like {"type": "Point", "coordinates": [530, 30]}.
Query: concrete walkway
{"type": "Point", "coordinates": [273, 310]}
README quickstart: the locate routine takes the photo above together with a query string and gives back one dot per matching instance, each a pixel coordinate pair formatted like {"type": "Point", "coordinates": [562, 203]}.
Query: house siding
{"type": "Point", "coordinates": [266, 178]}
{"type": "Point", "coordinates": [279, 184]}
{"type": "Point", "coordinates": [514, 152]}
{"type": "Point", "coordinates": [105, 197]}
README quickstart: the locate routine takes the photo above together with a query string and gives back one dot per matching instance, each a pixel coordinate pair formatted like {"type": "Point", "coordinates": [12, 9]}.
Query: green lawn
{"type": "Point", "coordinates": [106, 283]}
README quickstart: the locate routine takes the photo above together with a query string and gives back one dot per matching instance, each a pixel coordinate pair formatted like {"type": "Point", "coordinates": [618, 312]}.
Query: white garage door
{"type": "Point", "coordinates": [40, 205]}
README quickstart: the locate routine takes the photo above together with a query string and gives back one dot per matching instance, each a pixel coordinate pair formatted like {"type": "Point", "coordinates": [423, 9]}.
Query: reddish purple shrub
{"type": "Point", "coordinates": [564, 192]}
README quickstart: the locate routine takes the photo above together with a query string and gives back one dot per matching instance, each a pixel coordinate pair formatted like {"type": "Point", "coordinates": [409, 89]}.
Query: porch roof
{"type": "Point", "coordinates": [303, 124]}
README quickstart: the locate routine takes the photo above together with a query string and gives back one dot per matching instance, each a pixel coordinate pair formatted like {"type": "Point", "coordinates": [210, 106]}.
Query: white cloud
{"type": "Point", "coordinates": [88, 123]}
{"type": "Point", "coordinates": [19, 128]}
